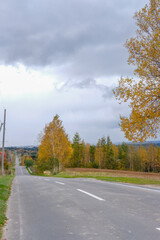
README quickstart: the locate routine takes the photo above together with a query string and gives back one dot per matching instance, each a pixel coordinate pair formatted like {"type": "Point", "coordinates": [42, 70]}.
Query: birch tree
{"type": "Point", "coordinates": [143, 91]}
{"type": "Point", "coordinates": [55, 147]}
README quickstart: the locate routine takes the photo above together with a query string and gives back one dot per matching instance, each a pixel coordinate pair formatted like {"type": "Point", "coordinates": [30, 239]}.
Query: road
{"type": "Point", "coordinates": [44, 208]}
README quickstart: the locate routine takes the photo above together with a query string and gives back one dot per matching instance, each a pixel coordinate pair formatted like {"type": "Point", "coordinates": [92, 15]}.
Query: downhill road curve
{"type": "Point", "coordinates": [44, 208]}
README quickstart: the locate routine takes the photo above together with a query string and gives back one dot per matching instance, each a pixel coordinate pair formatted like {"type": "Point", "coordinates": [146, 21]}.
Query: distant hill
{"type": "Point", "coordinates": [155, 142]}
{"type": "Point", "coordinates": [33, 148]}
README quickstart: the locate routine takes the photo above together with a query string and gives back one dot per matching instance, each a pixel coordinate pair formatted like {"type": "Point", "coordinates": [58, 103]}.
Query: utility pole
{"type": "Point", "coordinates": [4, 128]}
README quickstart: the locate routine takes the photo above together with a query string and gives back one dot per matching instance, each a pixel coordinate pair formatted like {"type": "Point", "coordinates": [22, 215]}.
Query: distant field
{"type": "Point", "coordinates": [5, 187]}
{"type": "Point", "coordinates": [112, 175]}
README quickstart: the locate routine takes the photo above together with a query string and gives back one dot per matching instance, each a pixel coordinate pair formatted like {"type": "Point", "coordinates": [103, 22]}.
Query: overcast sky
{"type": "Point", "coordinates": [64, 57]}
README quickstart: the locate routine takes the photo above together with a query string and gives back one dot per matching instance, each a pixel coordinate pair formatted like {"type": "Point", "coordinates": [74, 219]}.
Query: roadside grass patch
{"type": "Point", "coordinates": [141, 181]}
{"type": "Point", "coordinates": [98, 176]}
{"type": "Point", "coordinates": [5, 189]}
{"type": "Point", "coordinates": [29, 171]}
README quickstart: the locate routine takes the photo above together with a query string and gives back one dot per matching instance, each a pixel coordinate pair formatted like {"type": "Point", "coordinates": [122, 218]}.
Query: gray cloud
{"type": "Point", "coordinates": [80, 109]}
{"type": "Point", "coordinates": [84, 36]}
{"type": "Point", "coordinates": [89, 83]}
{"type": "Point", "coordinates": [81, 43]}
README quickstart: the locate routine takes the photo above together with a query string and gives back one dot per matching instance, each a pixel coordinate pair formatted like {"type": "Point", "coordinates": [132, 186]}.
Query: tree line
{"type": "Point", "coordinates": [56, 152]}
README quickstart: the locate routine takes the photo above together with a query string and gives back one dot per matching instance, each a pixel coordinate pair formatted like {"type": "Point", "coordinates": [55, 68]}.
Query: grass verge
{"type": "Point", "coordinates": [29, 171]}
{"type": "Point", "coordinates": [133, 180]}
{"type": "Point", "coordinates": [5, 189]}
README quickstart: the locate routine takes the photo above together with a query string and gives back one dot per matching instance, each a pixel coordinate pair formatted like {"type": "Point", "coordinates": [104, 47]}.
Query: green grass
{"type": "Point", "coordinates": [133, 180]}
{"type": "Point", "coordinates": [141, 181]}
{"type": "Point", "coordinates": [5, 188]}
{"type": "Point", "coordinates": [31, 173]}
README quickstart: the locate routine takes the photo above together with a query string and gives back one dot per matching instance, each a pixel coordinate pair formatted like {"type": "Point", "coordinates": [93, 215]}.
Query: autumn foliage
{"type": "Point", "coordinates": [56, 152]}
{"type": "Point", "coordinates": [55, 148]}
{"type": "Point", "coordinates": [144, 91]}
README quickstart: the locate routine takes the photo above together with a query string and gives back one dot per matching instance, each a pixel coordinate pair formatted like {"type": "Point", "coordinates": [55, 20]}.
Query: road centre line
{"type": "Point", "coordinates": [60, 183]}
{"type": "Point", "coordinates": [158, 229]}
{"type": "Point", "coordinates": [46, 179]}
{"type": "Point", "coordinates": [91, 195]}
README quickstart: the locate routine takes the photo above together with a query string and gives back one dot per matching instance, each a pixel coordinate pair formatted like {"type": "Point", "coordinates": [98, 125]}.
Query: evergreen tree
{"type": "Point", "coordinates": [77, 150]}
{"type": "Point", "coordinates": [123, 156]}
{"type": "Point", "coordinates": [110, 160]}
{"type": "Point", "coordinates": [92, 156]}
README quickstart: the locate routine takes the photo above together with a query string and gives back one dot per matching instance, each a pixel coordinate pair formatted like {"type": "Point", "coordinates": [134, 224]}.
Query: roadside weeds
{"type": "Point", "coordinates": [5, 191]}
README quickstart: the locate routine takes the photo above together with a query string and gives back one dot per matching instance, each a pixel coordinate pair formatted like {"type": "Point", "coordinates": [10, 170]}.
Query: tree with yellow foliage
{"type": "Point", "coordinates": [144, 93]}
{"type": "Point", "coordinates": [87, 160]}
{"type": "Point", "coordinates": [99, 154]}
{"type": "Point", "coordinates": [55, 148]}
{"type": "Point", "coordinates": [157, 160]}
{"type": "Point", "coordinates": [143, 157]}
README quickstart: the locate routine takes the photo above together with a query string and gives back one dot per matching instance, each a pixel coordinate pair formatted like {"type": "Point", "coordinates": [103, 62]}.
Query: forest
{"type": "Point", "coordinates": [57, 152]}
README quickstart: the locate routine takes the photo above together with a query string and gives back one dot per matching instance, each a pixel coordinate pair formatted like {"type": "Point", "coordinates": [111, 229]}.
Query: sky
{"type": "Point", "coordinates": [65, 58]}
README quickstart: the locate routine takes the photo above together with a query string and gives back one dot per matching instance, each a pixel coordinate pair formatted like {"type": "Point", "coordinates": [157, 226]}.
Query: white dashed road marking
{"type": "Point", "coordinates": [61, 183]}
{"type": "Point", "coordinates": [91, 195]}
{"type": "Point", "coordinates": [158, 229]}
{"type": "Point", "coordinates": [46, 179]}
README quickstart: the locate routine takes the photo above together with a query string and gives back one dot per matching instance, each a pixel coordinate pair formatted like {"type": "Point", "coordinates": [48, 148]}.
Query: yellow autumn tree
{"type": "Point", "coordinates": [143, 157]}
{"type": "Point", "coordinates": [86, 155]}
{"type": "Point", "coordinates": [152, 155]}
{"type": "Point", "coordinates": [144, 91]}
{"type": "Point", "coordinates": [55, 148]}
{"type": "Point", "coordinates": [157, 160]}
{"type": "Point", "coordinates": [99, 154]}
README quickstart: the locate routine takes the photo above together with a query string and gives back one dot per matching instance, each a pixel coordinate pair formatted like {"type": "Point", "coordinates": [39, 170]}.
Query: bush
{"type": "Point", "coordinates": [28, 162]}
{"type": "Point", "coordinates": [94, 165]}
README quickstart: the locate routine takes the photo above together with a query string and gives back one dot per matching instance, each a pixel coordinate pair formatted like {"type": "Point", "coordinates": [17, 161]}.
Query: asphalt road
{"type": "Point", "coordinates": [43, 208]}
{"type": "Point", "coordinates": [20, 170]}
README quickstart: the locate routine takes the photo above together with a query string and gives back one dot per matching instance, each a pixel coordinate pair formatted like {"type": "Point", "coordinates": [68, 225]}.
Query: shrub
{"type": "Point", "coordinates": [29, 162]}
